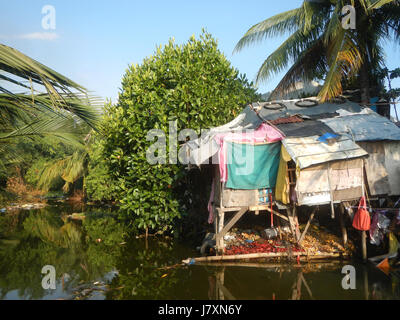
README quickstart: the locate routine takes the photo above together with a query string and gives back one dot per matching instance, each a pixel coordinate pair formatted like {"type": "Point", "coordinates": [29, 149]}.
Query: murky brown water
{"type": "Point", "coordinates": [94, 259]}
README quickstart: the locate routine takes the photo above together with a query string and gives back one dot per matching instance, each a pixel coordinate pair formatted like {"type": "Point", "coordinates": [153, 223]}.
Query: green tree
{"type": "Point", "coordinates": [193, 84]}
{"type": "Point", "coordinates": [319, 46]}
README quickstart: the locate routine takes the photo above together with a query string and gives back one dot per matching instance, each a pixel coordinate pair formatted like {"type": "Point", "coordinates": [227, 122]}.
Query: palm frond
{"type": "Point", "coordinates": [274, 26]}
{"type": "Point", "coordinates": [289, 51]}
{"type": "Point", "coordinates": [310, 63]}
{"type": "Point", "coordinates": [57, 91]}
{"type": "Point", "coordinates": [378, 4]}
{"type": "Point", "coordinates": [70, 169]}
{"type": "Point", "coordinates": [344, 60]}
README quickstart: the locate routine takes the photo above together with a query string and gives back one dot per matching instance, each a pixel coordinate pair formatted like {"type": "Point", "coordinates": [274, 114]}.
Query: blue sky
{"type": "Point", "coordinates": [95, 41]}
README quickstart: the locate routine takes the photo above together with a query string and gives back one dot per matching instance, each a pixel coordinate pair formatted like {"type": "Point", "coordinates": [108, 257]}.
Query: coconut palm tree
{"type": "Point", "coordinates": [320, 47]}
{"type": "Point", "coordinates": [36, 101]}
{"type": "Point", "coordinates": [70, 168]}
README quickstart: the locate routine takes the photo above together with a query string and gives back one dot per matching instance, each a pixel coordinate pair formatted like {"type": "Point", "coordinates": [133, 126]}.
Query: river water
{"type": "Point", "coordinates": [95, 259]}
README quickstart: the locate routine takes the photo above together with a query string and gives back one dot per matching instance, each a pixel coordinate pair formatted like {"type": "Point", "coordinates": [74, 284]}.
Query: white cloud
{"type": "Point", "coordinates": [48, 36]}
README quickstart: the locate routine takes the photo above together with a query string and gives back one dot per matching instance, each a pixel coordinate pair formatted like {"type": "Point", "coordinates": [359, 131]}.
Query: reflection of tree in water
{"type": "Point", "coordinates": [71, 247]}
{"type": "Point", "coordinates": [148, 276]}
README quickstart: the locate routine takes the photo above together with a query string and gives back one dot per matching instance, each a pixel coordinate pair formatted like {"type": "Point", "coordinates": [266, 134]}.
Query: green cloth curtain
{"type": "Point", "coordinates": [252, 166]}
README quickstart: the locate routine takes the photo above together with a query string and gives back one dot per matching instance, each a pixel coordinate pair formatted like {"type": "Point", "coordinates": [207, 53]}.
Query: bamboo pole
{"type": "Point", "coordinates": [262, 255]}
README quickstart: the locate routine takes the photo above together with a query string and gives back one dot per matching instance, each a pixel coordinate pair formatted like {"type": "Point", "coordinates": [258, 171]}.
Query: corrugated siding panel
{"type": "Point", "coordinates": [309, 151]}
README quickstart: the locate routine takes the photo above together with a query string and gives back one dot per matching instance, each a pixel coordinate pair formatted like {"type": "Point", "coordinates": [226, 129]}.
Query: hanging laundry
{"type": "Point", "coordinates": [379, 226]}
{"type": "Point", "coordinates": [264, 134]}
{"type": "Point", "coordinates": [252, 166]}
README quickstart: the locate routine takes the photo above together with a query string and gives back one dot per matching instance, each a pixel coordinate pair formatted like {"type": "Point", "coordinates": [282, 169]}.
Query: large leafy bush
{"type": "Point", "coordinates": [193, 84]}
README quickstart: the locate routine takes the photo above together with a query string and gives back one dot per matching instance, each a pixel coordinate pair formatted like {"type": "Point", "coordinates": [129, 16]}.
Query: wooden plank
{"type": "Point", "coordinates": [229, 209]}
{"type": "Point", "coordinates": [267, 208]}
{"type": "Point", "coordinates": [229, 225]}
{"type": "Point", "coordinates": [278, 214]}
{"type": "Point", "coordinates": [307, 225]}
{"type": "Point", "coordinates": [254, 208]}
{"type": "Point", "coordinates": [262, 265]}
{"type": "Point", "coordinates": [264, 255]}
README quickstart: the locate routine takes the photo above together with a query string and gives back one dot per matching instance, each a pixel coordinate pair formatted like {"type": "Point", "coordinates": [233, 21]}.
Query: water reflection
{"type": "Point", "coordinates": [96, 258]}
{"type": "Point", "coordinates": [33, 239]}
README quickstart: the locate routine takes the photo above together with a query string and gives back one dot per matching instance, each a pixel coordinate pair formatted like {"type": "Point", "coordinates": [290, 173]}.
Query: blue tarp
{"type": "Point", "coordinates": [252, 166]}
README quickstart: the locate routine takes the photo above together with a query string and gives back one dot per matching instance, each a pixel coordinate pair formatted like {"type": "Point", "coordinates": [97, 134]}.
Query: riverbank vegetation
{"type": "Point", "coordinates": [193, 86]}
{"type": "Point", "coordinates": [54, 141]}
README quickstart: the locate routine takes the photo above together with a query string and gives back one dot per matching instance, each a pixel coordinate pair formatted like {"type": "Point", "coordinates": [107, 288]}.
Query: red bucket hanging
{"type": "Point", "coordinates": [362, 219]}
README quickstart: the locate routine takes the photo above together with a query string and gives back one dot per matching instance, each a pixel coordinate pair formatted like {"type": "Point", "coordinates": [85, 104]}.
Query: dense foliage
{"type": "Point", "coordinates": [193, 84]}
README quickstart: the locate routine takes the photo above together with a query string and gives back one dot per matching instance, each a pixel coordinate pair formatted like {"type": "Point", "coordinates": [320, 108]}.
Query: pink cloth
{"type": "Point", "coordinates": [264, 133]}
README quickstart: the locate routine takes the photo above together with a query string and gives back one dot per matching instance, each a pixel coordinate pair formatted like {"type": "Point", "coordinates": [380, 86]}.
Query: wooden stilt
{"type": "Point", "coordinates": [220, 239]}
{"type": "Point", "coordinates": [222, 230]}
{"type": "Point", "coordinates": [342, 225]}
{"type": "Point", "coordinates": [364, 245]}
{"type": "Point", "coordinates": [223, 292]}
{"type": "Point", "coordinates": [292, 223]}
{"type": "Point", "coordinates": [296, 288]}
{"type": "Point", "coordinates": [330, 191]}
{"type": "Point", "coordinates": [296, 221]}
{"type": "Point", "coordinates": [219, 280]}
{"type": "Point", "coordinates": [279, 228]}
{"type": "Point", "coordinates": [307, 225]}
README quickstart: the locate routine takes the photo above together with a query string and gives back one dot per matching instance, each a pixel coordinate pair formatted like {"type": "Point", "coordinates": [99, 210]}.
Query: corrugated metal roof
{"type": "Point", "coordinates": [304, 129]}
{"type": "Point", "coordinates": [291, 119]}
{"type": "Point", "coordinates": [290, 108]}
{"type": "Point", "coordinates": [309, 151]}
{"type": "Point", "coordinates": [364, 127]}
